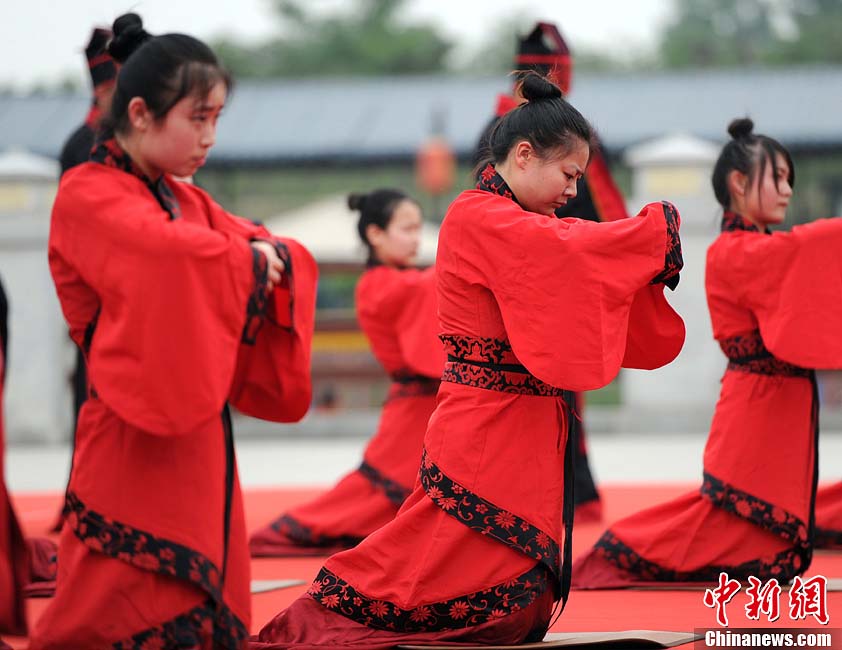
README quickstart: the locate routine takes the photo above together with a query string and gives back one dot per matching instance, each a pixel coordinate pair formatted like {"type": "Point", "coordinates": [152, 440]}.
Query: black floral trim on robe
{"type": "Point", "coordinates": [298, 533]}
{"type": "Point", "coordinates": [491, 181]}
{"type": "Point", "coordinates": [746, 353]}
{"type": "Point", "coordinates": [731, 221]}
{"type": "Point", "coordinates": [335, 594]}
{"type": "Point", "coordinates": [481, 515]}
{"type": "Point", "coordinates": [407, 384]}
{"type": "Point", "coordinates": [673, 260]}
{"type": "Point", "coordinates": [490, 364]}
{"type": "Point", "coordinates": [260, 298]}
{"type": "Point", "coordinates": [189, 630]}
{"type": "Point", "coordinates": [767, 516]}
{"type": "Point", "coordinates": [782, 566]}
{"type": "Point", "coordinates": [394, 491]}
{"type": "Point", "coordinates": [159, 555]}
{"type": "Point", "coordinates": [108, 152]}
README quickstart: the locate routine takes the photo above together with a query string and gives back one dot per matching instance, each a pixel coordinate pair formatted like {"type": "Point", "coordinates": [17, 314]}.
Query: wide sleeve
{"type": "Point", "coordinates": [407, 301]}
{"type": "Point", "coordinates": [792, 283]}
{"type": "Point", "coordinates": [172, 300]}
{"type": "Point", "coordinates": [272, 379]}
{"type": "Point", "coordinates": [566, 288]}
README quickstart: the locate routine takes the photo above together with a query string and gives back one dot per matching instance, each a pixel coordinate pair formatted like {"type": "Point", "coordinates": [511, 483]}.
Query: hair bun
{"type": "Point", "coordinates": [534, 87]}
{"type": "Point", "coordinates": [740, 128]}
{"type": "Point", "coordinates": [357, 201]}
{"type": "Point", "coordinates": [128, 36]}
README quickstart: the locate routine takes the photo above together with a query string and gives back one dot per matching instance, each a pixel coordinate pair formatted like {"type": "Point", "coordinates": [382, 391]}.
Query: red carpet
{"type": "Point", "coordinates": [587, 611]}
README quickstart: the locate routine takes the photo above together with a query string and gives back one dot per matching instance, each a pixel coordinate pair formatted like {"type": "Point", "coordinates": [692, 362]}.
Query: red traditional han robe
{"type": "Point", "coordinates": [775, 321]}
{"type": "Point", "coordinates": [162, 290]}
{"type": "Point", "coordinates": [528, 304]}
{"type": "Point", "coordinates": [14, 562]}
{"type": "Point", "coordinates": [396, 310]}
{"type": "Point", "coordinates": [829, 517]}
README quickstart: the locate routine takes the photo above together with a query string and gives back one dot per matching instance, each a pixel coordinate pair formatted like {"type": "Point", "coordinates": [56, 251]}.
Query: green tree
{"type": "Point", "coordinates": [818, 26]}
{"type": "Point", "coordinates": [706, 33]}
{"type": "Point", "coordinates": [368, 40]}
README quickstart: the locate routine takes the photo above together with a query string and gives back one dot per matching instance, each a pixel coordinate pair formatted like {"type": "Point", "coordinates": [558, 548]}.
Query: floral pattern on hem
{"type": "Point", "coordinates": [158, 555]}
{"type": "Point", "coordinates": [484, 517]}
{"type": "Point", "coordinates": [302, 535]}
{"type": "Point", "coordinates": [335, 594]}
{"type": "Point", "coordinates": [192, 630]}
{"type": "Point", "coordinates": [394, 491]}
{"type": "Point", "coordinates": [784, 565]}
{"type": "Point", "coordinates": [141, 549]}
{"type": "Point", "coordinates": [763, 514]}
{"type": "Point", "coordinates": [748, 353]}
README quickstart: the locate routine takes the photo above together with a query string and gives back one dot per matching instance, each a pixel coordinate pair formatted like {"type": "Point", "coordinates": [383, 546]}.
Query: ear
{"type": "Point", "coordinates": [374, 234]}
{"type": "Point", "coordinates": [140, 117]}
{"type": "Point", "coordinates": [523, 152]}
{"type": "Point", "coordinates": [737, 184]}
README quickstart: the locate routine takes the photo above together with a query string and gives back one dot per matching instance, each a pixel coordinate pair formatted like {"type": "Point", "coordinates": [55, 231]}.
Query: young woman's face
{"type": "Point", "coordinates": [397, 244]}
{"type": "Point", "coordinates": [765, 201]}
{"type": "Point", "coordinates": [179, 143]}
{"type": "Point", "coordinates": [547, 183]}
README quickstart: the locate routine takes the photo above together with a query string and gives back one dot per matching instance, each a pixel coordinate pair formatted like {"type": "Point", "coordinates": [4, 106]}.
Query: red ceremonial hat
{"type": "Point", "coordinates": [102, 67]}
{"type": "Point", "coordinates": [545, 51]}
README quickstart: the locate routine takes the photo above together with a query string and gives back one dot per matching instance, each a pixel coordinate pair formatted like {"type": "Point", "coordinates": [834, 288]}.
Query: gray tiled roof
{"type": "Point", "coordinates": [346, 119]}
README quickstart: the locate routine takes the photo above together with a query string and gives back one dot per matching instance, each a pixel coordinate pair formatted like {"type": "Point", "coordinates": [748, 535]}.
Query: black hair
{"type": "Point", "coordinates": [162, 70]}
{"type": "Point", "coordinates": [375, 208]}
{"type": "Point", "coordinates": [547, 121]}
{"type": "Point", "coordinates": [748, 153]}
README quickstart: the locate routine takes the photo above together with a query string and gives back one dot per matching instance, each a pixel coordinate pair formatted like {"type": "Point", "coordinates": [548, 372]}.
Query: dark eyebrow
{"type": "Point", "coordinates": [204, 108]}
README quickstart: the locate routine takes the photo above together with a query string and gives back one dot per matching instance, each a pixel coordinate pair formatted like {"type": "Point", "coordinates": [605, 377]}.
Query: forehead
{"type": "Point", "coordinates": [574, 157]}
{"type": "Point", "coordinates": [406, 212]}
{"type": "Point", "coordinates": [213, 99]}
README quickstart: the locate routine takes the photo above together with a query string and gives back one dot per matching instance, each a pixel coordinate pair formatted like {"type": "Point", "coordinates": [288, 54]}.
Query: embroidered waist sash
{"type": "Point", "coordinates": [748, 353]}
{"type": "Point", "coordinates": [406, 384]}
{"type": "Point", "coordinates": [490, 364]}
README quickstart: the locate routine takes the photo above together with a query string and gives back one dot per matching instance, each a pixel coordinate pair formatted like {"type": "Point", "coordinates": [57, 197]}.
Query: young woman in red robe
{"type": "Point", "coordinates": [396, 309]}
{"type": "Point", "coordinates": [598, 198]}
{"type": "Point", "coordinates": [530, 307]}
{"type": "Point", "coordinates": [829, 517]}
{"type": "Point", "coordinates": [14, 563]}
{"type": "Point", "coordinates": [181, 309]}
{"type": "Point", "coordinates": [753, 515]}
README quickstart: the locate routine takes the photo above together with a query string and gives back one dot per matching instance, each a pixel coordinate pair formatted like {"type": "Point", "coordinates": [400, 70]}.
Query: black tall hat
{"type": "Point", "coordinates": [102, 67]}
{"type": "Point", "coordinates": [545, 51]}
